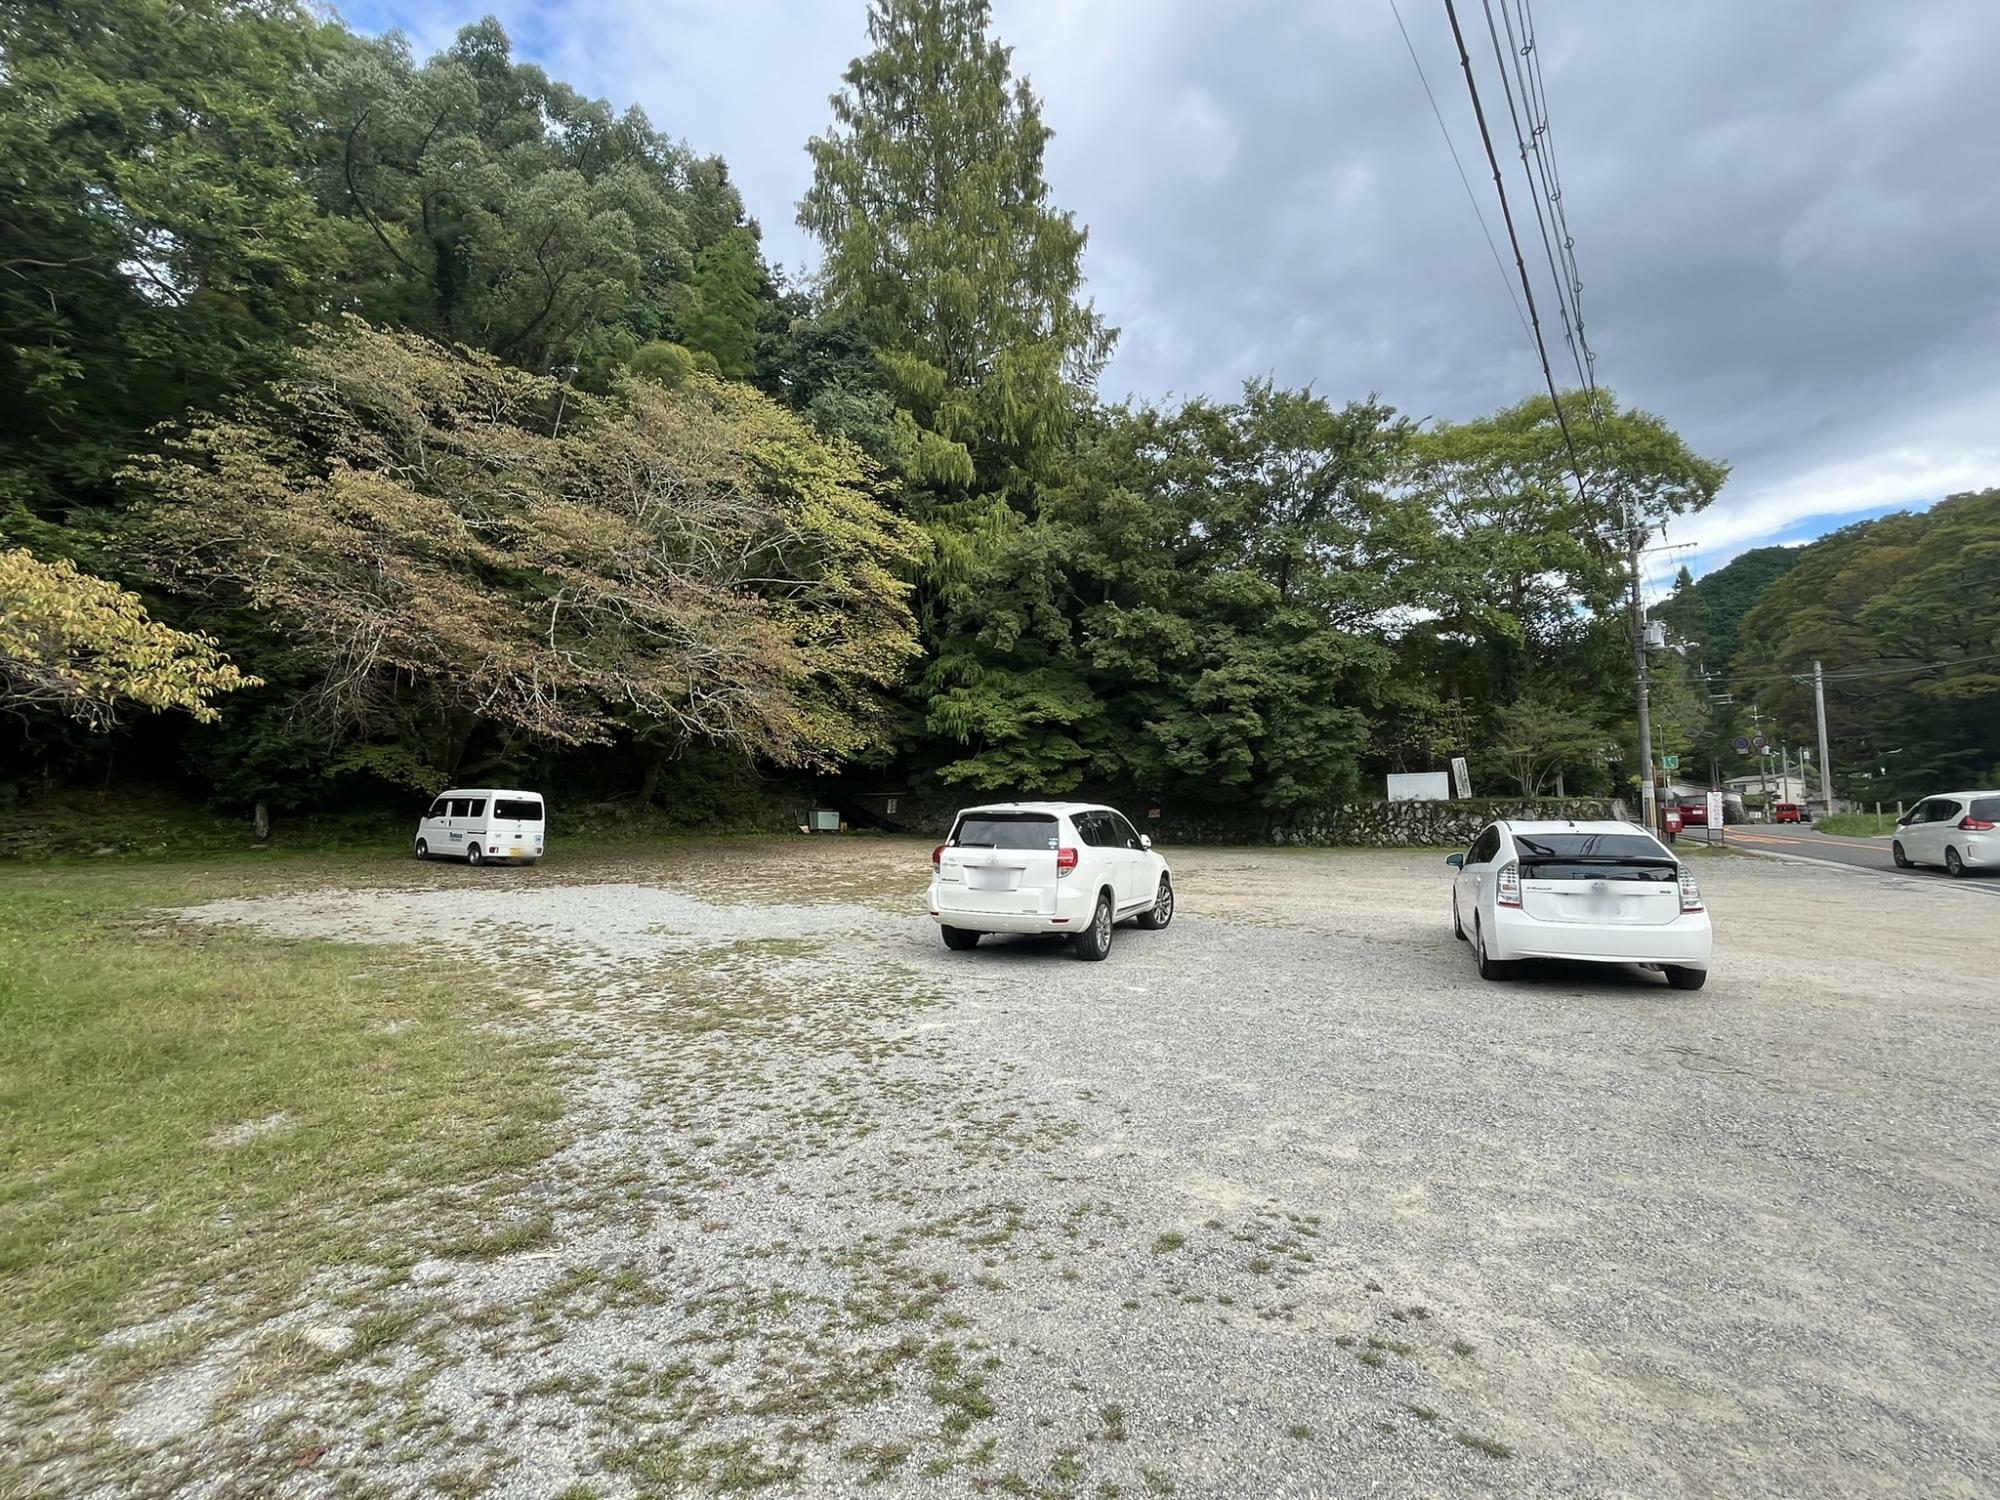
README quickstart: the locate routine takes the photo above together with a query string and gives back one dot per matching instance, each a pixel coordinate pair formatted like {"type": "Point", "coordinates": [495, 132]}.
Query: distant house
{"type": "Point", "coordinates": [1783, 788]}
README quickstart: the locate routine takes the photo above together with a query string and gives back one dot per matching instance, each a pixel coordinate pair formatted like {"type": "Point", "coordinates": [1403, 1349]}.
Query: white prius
{"type": "Point", "coordinates": [478, 824]}
{"type": "Point", "coordinates": [1599, 892]}
{"type": "Point", "coordinates": [1073, 868]}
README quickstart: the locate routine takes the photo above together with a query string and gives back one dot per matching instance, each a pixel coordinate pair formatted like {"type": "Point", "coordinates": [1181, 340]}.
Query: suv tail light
{"type": "Point", "coordinates": [1690, 892]}
{"type": "Point", "coordinates": [1507, 884]}
{"type": "Point", "coordinates": [936, 855]}
{"type": "Point", "coordinates": [1970, 824]}
{"type": "Point", "coordinates": [1065, 862]}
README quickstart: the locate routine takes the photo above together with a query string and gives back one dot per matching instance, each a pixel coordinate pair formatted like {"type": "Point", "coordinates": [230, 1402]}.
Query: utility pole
{"type": "Point", "coordinates": [1763, 758]}
{"type": "Point", "coordinates": [1646, 797]}
{"type": "Point", "coordinates": [1825, 762]}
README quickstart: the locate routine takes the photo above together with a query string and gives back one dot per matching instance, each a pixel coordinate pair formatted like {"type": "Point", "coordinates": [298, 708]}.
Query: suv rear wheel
{"type": "Point", "coordinates": [958, 939]}
{"type": "Point", "coordinates": [1094, 942]}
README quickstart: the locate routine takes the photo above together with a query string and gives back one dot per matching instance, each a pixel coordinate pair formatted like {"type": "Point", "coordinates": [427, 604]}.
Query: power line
{"type": "Point", "coordinates": [1520, 263]}
{"type": "Point", "coordinates": [1470, 196]}
{"type": "Point", "coordinates": [1541, 99]}
{"type": "Point", "coordinates": [1543, 194]}
{"type": "Point", "coordinates": [1502, 57]}
{"type": "Point", "coordinates": [1850, 676]}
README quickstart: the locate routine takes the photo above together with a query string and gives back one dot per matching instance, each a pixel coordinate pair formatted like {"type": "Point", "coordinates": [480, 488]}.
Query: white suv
{"type": "Point", "coordinates": [1064, 867]}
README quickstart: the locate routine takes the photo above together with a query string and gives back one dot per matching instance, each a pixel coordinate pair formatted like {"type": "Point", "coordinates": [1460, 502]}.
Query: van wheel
{"type": "Point", "coordinates": [1686, 979]}
{"type": "Point", "coordinates": [1094, 942]}
{"type": "Point", "coordinates": [473, 856]}
{"type": "Point", "coordinates": [423, 850]}
{"type": "Point", "coordinates": [1954, 864]}
{"type": "Point", "coordinates": [1902, 859]}
{"type": "Point", "coordinates": [958, 939]}
{"type": "Point", "coordinates": [1163, 908]}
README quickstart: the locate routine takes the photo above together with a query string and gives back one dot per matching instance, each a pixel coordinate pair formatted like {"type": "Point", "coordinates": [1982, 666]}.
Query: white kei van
{"type": "Point", "coordinates": [476, 824]}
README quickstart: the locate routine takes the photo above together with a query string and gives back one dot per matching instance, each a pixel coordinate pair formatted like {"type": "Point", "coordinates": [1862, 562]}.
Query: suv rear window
{"type": "Point", "coordinates": [517, 811]}
{"type": "Point", "coordinates": [1005, 830]}
{"type": "Point", "coordinates": [1593, 856]}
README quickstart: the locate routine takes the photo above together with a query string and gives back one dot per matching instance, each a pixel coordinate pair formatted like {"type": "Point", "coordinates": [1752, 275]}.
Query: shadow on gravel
{"type": "Point", "coordinates": [1550, 973]}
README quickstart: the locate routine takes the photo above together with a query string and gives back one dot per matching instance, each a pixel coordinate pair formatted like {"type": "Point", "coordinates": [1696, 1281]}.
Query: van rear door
{"type": "Point", "coordinates": [1607, 879]}
{"type": "Point", "coordinates": [1000, 863]}
{"type": "Point", "coordinates": [515, 827]}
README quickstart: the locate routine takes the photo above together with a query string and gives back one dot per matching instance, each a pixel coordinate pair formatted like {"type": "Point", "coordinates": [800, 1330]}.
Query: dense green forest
{"type": "Point", "coordinates": [379, 422]}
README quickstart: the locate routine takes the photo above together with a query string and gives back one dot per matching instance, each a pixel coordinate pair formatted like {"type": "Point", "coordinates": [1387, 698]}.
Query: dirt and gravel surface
{"type": "Point", "coordinates": [1282, 1201]}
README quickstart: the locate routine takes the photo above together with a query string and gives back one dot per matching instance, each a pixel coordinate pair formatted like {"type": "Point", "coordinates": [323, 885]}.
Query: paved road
{"type": "Point", "coordinates": [1865, 854]}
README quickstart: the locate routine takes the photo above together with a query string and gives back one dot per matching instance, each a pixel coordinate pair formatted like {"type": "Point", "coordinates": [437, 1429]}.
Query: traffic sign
{"type": "Point", "coordinates": [1742, 744]}
{"type": "Point", "coordinates": [1671, 762]}
{"type": "Point", "coordinates": [1760, 742]}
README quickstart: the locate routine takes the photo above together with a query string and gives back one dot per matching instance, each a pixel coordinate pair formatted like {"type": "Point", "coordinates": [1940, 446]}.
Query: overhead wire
{"type": "Point", "coordinates": [1859, 675]}
{"type": "Point", "coordinates": [1464, 181]}
{"type": "Point", "coordinates": [1532, 53]}
{"type": "Point", "coordinates": [1520, 261]}
{"type": "Point", "coordinates": [1539, 192]}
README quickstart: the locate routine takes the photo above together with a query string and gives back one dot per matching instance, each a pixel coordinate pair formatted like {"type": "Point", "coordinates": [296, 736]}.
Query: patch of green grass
{"type": "Point", "coordinates": [961, 1392]}
{"type": "Point", "coordinates": [1421, 1412]}
{"type": "Point", "coordinates": [1169, 1242]}
{"type": "Point", "coordinates": [208, 1112]}
{"type": "Point", "coordinates": [1858, 825]}
{"type": "Point", "coordinates": [1486, 1445]}
{"type": "Point", "coordinates": [378, 1330]}
{"type": "Point", "coordinates": [1298, 1432]}
{"type": "Point", "coordinates": [1155, 1482]}
{"type": "Point", "coordinates": [1113, 1418]}
{"type": "Point", "coordinates": [1462, 1348]}
{"type": "Point", "coordinates": [508, 1237]}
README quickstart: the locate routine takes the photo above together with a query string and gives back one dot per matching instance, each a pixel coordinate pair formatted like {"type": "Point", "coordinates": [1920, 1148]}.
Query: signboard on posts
{"type": "Point", "coordinates": [1715, 819]}
{"type": "Point", "coordinates": [1461, 777]}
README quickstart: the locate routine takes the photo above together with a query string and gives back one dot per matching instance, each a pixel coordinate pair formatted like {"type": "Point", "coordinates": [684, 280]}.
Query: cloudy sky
{"type": "Point", "coordinates": [1787, 212]}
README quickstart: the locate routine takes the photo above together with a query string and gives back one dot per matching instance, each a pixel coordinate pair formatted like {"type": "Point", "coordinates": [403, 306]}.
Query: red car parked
{"type": "Point", "coordinates": [1787, 812]}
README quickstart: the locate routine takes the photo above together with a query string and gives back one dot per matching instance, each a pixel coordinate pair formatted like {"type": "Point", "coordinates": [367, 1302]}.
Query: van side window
{"type": "Point", "coordinates": [441, 808]}
{"type": "Point", "coordinates": [461, 807]}
{"type": "Point", "coordinates": [478, 808]}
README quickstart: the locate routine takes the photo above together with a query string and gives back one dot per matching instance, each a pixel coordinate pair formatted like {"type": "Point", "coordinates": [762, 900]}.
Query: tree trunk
{"type": "Point", "coordinates": [260, 820]}
{"type": "Point", "coordinates": [650, 782]}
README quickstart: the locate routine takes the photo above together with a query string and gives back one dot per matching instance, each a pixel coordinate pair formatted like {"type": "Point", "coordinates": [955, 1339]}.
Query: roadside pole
{"type": "Point", "coordinates": [1647, 798]}
{"type": "Point", "coordinates": [1825, 761]}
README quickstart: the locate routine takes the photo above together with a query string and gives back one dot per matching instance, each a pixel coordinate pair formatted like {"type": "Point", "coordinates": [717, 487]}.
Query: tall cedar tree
{"type": "Point", "coordinates": [725, 304]}
{"type": "Point", "coordinates": [942, 248]}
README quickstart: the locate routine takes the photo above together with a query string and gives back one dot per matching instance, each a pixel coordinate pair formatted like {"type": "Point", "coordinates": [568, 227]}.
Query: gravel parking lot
{"type": "Point", "coordinates": [1283, 1201]}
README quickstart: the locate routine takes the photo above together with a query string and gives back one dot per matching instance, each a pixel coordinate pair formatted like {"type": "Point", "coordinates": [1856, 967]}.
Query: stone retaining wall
{"type": "Point", "coordinates": [1374, 825]}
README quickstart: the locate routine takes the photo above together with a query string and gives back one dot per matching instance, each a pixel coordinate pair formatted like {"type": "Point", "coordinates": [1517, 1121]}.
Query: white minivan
{"type": "Point", "coordinates": [476, 824]}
